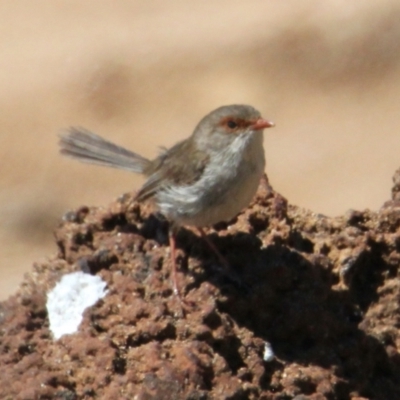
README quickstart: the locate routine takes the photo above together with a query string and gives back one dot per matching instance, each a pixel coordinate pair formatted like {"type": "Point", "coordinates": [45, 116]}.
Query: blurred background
{"type": "Point", "coordinates": [143, 73]}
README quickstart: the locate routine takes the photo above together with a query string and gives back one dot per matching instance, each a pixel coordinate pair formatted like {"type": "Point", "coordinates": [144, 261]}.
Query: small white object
{"type": "Point", "coordinates": [69, 299]}
{"type": "Point", "coordinates": [268, 352]}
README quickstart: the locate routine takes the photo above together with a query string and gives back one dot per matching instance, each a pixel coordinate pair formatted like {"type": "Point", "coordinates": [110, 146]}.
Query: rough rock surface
{"type": "Point", "coordinates": [323, 292]}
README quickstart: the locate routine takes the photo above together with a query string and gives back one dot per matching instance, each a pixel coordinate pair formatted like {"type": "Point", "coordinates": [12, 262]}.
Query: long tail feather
{"type": "Point", "coordinates": [85, 146]}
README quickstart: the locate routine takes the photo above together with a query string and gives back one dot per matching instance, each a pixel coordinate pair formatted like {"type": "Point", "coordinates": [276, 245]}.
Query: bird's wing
{"type": "Point", "coordinates": [180, 165]}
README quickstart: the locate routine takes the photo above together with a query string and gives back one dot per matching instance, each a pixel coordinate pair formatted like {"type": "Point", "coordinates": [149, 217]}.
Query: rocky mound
{"type": "Point", "coordinates": [309, 310]}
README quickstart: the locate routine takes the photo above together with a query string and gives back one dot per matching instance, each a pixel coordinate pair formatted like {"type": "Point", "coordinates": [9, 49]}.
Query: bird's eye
{"type": "Point", "coordinates": [232, 124]}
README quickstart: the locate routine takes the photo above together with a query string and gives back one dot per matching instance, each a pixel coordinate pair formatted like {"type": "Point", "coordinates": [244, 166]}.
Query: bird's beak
{"type": "Point", "coordinates": [261, 123]}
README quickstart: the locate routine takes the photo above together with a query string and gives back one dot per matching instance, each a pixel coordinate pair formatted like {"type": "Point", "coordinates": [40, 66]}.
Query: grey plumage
{"type": "Point", "coordinates": [86, 146]}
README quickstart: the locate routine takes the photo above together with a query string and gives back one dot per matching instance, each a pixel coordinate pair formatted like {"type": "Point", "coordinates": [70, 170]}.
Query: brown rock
{"type": "Point", "coordinates": [324, 292]}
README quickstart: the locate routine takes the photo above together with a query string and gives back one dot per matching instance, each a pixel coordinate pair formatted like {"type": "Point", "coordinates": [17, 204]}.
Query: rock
{"type": "Point", "coordinates": [322, 292]}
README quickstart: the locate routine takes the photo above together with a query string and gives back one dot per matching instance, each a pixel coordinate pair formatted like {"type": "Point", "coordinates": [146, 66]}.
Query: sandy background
{"type": "Point", "coordinates": [144, 72]}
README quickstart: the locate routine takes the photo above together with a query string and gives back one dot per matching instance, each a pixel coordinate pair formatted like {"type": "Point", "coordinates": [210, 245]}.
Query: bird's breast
{"type": "Point", "coordinates": [226, 186]}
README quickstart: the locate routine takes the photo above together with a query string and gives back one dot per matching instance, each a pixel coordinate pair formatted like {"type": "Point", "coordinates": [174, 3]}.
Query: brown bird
{"type": "Point", "coordinates": [207, 178]}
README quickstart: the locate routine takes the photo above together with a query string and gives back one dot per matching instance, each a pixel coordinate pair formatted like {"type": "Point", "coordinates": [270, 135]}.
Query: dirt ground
{"type": "Point", "coordinates": [308, 309]}
{"type": "Point", "coordinates": [143, 73]}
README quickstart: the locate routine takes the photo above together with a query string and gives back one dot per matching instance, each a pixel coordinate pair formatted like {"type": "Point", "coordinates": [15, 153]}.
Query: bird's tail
{"type": "Point", "coordinates": [85, 146]}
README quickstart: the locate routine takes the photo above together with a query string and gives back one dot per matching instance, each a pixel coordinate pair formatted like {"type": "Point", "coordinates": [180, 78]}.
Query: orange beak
{"type": "Point", "coordinates": [262, 123]}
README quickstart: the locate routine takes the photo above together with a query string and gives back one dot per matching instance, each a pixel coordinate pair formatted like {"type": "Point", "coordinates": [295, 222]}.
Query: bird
{"type": "Point", "coordinates": [207, 178]}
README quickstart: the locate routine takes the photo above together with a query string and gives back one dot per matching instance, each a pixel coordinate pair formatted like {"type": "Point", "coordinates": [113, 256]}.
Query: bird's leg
{"type": "Point", "coordinates": [227, 272]}
{"type": "Point", "coordinates": [211, 245]}
{"type": "Point", "coordinates": [172, 246]}
{"type": "Point", "coordinates": [185, 305]}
